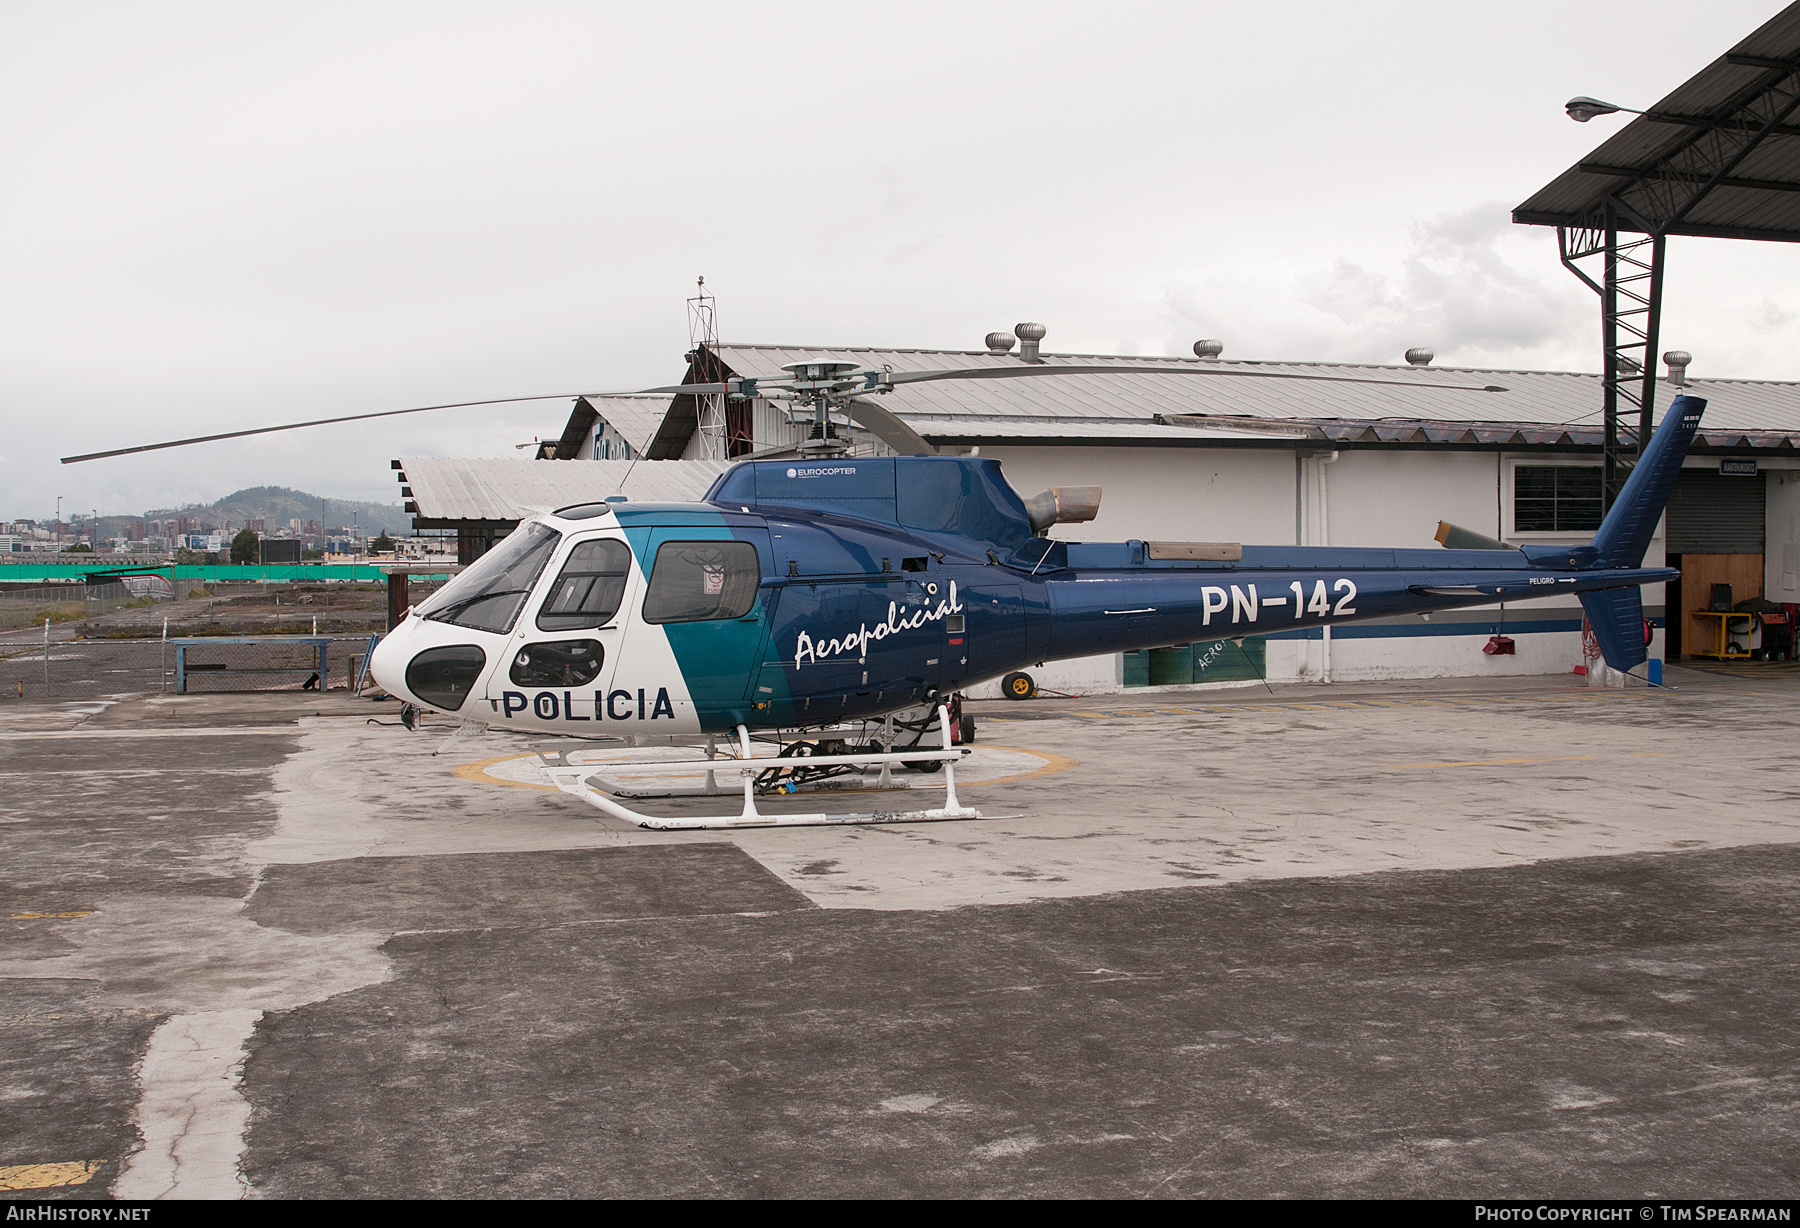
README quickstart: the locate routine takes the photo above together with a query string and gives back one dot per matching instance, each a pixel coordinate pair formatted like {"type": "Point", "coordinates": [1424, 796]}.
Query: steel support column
{"type": "Point", "coordinates": [1630, 290]}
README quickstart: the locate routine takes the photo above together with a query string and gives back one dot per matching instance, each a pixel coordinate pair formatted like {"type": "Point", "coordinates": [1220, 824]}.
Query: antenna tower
{"type": "Point", "coordinates": [703, 349]}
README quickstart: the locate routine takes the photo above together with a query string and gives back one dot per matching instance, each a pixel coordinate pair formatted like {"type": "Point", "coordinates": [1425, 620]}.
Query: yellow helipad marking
{"type": "Point", "coordinates": [478, 772]}
{"type": "Point", "coordinates": [44, 1176]}
{"type": "Point", "coordinates": [48, 916]}
{"type": "Point", "coordinates": [1052, 763]}
{"type": "Point", "coordinates": [1056, 763]}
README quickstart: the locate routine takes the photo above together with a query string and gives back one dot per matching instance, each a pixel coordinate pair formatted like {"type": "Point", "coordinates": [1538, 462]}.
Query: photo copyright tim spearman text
{"type": "Point", "coordinates": [1641, 1213]}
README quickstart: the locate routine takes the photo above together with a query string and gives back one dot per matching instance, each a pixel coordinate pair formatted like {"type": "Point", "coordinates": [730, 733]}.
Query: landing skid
{"type": "Point", "coordinates": [839, 784]}
{"type": "Point", "coordinates": [582, 780]}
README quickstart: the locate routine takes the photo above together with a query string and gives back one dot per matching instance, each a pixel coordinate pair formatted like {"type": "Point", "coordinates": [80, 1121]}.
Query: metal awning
{"type": "Point", "coordinates": [1719, 157]}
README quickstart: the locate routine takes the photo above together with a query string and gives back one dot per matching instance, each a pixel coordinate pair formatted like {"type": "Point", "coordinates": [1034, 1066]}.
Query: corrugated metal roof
{"type": "Point", "coordinates": [634, 418]}
{"type": "Point", "coordinates": [450, 489]}
{"type": "Point", "coordinates": [1416, 394]}
{"type": "Point", "coordinates": [1760, 199]}
{"type": "Point", "coordinates": [970, 427]}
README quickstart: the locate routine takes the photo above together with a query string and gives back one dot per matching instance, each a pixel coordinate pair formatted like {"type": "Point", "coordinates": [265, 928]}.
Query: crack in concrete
{"type": "Point", "coordinates": [215, 971]}
{"type": "Point", "coordinates": [192, 1113]}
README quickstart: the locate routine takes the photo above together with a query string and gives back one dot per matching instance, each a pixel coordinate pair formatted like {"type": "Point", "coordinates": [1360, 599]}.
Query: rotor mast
{"type": "Point", "coordinates": [822, 393]}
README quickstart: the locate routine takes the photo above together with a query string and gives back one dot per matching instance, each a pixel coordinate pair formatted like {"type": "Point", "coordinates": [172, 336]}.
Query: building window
{"type": "Point", "coordinates": [1556, 498]}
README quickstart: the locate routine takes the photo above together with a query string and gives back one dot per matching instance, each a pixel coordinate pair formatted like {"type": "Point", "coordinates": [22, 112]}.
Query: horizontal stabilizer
{"type": "Point", "coordinates": [1455, 537]}
{"type": "Point", "coordinates": [1617, 617]}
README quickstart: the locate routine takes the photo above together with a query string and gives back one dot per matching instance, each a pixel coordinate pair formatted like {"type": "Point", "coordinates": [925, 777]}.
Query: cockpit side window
{"type": "Point", "coordinates": [696, 581]}
{"type": "Point", "coordinates": [489, 595]}
{"type": "Point", "coordinates": [588, 592]}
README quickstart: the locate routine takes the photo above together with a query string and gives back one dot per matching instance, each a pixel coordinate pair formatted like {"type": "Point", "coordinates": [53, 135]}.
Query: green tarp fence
{"type": "Point", "coordinates": [271, 573]}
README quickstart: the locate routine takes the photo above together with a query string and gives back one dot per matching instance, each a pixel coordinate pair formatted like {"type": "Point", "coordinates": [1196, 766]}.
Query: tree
{"type": "Point", "coordinates": [78, 548]}
{"type": "Point", "coordinates": [244, 547]}
{"type": "Point", "coordinates": [381, 545]}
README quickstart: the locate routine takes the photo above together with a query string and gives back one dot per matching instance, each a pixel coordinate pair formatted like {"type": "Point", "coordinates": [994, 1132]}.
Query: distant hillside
{"type": "Point", "coordinates": [278, 505]}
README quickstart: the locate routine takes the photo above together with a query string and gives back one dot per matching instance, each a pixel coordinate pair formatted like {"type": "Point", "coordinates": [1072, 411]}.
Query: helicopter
{"type": "Point", "coordinates": [817, 591]}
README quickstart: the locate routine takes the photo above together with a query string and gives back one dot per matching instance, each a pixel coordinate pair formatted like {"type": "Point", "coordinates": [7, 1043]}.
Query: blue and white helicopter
{"type": "Point", "coordinates": [809, 599]}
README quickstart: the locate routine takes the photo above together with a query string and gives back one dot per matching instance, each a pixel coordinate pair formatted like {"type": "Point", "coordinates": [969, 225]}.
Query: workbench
{"type": "Point", "coordinates": [1720, 633]}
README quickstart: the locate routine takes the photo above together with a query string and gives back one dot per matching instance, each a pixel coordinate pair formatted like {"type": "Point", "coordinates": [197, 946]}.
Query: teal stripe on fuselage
{"type": "Point", "coordinates": [721, 701]}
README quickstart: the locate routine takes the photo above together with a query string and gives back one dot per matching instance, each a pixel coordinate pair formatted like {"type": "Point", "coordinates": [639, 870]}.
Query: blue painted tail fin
{"type": "Point", "coordinates": [1617, 614]}
{"type": "Point", "coordinates": [1617, 617]}
{"type": "Point", "coordinates": [1625, 533]}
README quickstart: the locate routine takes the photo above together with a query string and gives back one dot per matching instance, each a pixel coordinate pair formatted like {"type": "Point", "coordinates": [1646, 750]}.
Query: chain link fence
{"type": "Point", "coordinates": [72, 669]}
{"type": "Point", "coordinates": [27, 607]}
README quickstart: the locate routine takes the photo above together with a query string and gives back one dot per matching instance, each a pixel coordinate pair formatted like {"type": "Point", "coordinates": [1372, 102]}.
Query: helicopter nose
{"type": "Point", "coordinates": [388, 663]}
{"type": "Point", "coordinates": [417, 668]}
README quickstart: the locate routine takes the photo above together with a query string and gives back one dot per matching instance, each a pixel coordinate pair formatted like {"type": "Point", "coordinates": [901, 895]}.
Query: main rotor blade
{"type": "Point", "coordinates": [294, 426]}
{"type": "Point", "coordinates": [920, 377]}
{"type": "Point", "coordinates": [881, 423]}
{"type": "Point", "coordinates": [888, 428]}
{"type": "Point", "coordinates": [686, 390]}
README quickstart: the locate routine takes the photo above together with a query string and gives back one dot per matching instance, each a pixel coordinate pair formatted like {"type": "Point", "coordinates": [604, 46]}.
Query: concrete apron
{"type": "Point", "coordinates": [158, 950]}
{"type": "Point", "coordinates": [1307, 784]}
{"type": "Point", "coordinates": [1326, 783]}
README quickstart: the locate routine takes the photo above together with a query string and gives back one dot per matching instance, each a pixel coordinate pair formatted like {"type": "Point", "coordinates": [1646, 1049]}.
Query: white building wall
{"type": "Point", "coordinates": [1166, 494]}
{"type": "Point", "coordinates": [1781, 547]}
{"type": "Point", "coordinates": [1397, 498]}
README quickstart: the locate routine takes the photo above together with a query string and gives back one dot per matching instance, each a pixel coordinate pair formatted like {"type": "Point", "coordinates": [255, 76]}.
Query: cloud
{"type": "Point", "coordinates": [1766, 315]}
{"type": "Point", "coordinates": [1467, 284]}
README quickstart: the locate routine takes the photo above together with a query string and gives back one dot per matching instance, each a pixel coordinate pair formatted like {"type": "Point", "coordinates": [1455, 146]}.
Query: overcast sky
{"type": "Point", "coordinates": [227, 215]}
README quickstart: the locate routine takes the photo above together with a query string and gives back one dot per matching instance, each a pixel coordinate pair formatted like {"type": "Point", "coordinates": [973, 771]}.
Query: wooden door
{"type": "Point", "coordinates": [1699, 572]}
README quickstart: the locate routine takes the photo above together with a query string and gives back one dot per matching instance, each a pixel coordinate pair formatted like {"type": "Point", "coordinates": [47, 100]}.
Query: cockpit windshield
{"type": "Point", "coordinates": [489, 596]}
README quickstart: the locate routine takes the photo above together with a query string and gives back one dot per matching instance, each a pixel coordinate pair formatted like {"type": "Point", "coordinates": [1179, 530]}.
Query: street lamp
{"type": "Point", "coordinates": [1583, 108]}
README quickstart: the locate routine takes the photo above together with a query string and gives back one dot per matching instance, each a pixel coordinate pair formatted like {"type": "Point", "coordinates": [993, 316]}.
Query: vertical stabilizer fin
{"type": "Point", "coordinates": [1617, 617]}
{"type": "Point", "coordinates": [1625, 533]}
